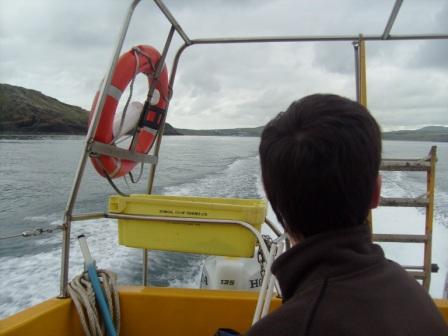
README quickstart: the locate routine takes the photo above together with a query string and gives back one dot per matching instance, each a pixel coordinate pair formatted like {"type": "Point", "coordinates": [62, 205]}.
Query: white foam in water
{"type": "Point", "coordinates": [192, 282]}
{"type": "Point", "coordinates": [37, 278]}
{"type": "Point", "coordinates": [36, 218]}
{"type": "Point", "coordinates": [235, 180]}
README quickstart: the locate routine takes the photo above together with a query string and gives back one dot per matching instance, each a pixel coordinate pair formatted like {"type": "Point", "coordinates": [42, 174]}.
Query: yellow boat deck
{"type": "Point", "coordinates": [152, 311]}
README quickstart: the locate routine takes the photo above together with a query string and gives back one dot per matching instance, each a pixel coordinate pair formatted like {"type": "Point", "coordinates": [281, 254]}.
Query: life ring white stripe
{"type": "Point", "coordinates": [150, 130]}
{"type": "Point", "coordinates": [114, 92]}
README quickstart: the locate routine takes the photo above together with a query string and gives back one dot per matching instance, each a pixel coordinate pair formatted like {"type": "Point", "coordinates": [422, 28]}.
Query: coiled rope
{"type": "Point", "coordinates": [83, 296]}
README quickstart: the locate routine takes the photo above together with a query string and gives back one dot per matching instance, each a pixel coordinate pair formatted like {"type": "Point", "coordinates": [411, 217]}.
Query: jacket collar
{"type": "Point", "coordinates": [325, 255]}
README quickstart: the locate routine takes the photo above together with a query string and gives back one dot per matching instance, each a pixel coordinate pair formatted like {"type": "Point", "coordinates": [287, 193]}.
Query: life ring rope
{"type": "Point", "coordinates": [108, 177]}
{"type": "Point", "coordinates": [131, 89]}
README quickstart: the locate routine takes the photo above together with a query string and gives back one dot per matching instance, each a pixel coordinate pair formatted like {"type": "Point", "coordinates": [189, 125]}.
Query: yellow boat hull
{"type": "Point", "coordinates": [146, 311]}
{"type": "Point", "coordinates": [152, 311]}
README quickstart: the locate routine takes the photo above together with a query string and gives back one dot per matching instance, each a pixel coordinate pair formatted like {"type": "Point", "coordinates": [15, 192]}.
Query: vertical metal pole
{"type": "Point", "coordinates": [176, 63]}
{"type": "Point", "coordinates": [362, 72]}
{"type": "Point", "coordinates": [356, 49]}
{"type": "Point", "coordinates": [157, 72]}
{"type": "Point", "coordinates": [82, 161]}
{"type": "Point", "coordinates": [165, 52]}
{"type": "Point", "coordinates": [162, 126]}
{"type": "Point", "coordinates": [430, 183]}
{"type": "Point", "coordinates": [361, 85]}
{"type": "Point", "coordinates": [145, 267]}
{"type": "Point", "coordinates": [159, 137]}
{"type": "Point", "coordinates": [157, 150]}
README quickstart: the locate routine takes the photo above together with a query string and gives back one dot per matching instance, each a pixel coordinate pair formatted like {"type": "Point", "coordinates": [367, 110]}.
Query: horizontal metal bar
{"type": "Point", "coordinates": [173, 21]}
{"type": "Point", "coordinates": [399, 238]}
{"type": "Point", "coordinates": [322, 38]}
{"type": "Point", "coordinates": [412, 267]}
{"type": "Point", "coordinates": [405, 165]}
{"type": "Point", "coordinates": [261, 242]}
{"type": "Point", "coordinates": [171, 219]}
{"type": "Point", "coordinates": [404, 202]}
{"type": "Point", "coordinates": [87, 216]}
{"type": "Point", "coordinates": [392, 17]}
{"type": "Point", "coordinates": [117, 152]}
{"type": "Point", "coordinates": [434, 268]}
{"type": "Point", "coordinates": [416, 37]}
{"type": "Point", "coordinates": [424, 159]}
{"type": "Point", "coordinates": [417, 275]}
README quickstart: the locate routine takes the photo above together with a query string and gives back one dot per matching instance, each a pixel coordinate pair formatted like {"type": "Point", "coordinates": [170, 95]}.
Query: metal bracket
{"type": "Point", "coordinates": [117, 152]}
{"type": "Point", "coordinates": [405, 201]}
{"type": "Point", "coordinates": [406, 164]}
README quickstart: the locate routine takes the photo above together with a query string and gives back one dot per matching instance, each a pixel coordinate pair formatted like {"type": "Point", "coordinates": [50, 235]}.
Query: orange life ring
{"type": "Point", "coordinates": [125, 71]}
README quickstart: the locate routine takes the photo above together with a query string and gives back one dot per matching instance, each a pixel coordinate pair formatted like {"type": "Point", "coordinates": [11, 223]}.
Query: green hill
{"type": "Point", "coordinates": [29, 111]}
{"type": "Point", "coordinates": [429, 133]}
{"type": "Point", "coordinates": [250, 132]}
{"type": "Point", "coordinates": [25, 111]}
{"type": "Point", "coordinates": [170, 130]}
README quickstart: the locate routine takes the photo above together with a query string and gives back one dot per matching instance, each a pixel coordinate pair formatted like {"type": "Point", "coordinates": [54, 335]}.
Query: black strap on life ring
{"type": "Point", "coordinates": [157, 121]}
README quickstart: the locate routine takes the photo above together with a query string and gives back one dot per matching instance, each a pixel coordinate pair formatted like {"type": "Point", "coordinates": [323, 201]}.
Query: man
{"type": "Point", "coordinates": [320, 161]}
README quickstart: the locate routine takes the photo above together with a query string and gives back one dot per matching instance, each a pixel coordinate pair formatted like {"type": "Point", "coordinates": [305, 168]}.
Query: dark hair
{"type": "Point", "coordinates": [319, 162]}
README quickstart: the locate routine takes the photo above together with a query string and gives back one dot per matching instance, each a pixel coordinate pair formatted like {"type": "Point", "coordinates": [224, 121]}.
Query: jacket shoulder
{"type": "Point", "coordinates": [291, 318]}
{"type": "Point", "coordinates": [384, 298]}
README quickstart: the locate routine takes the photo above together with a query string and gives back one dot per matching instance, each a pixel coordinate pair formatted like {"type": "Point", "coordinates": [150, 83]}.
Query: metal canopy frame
{"type": "Point", "coordinates": [89, 143]}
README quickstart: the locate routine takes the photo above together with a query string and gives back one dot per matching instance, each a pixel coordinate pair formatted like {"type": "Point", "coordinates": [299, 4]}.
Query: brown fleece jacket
{"type": "Point", "coordinates": [339, 283]}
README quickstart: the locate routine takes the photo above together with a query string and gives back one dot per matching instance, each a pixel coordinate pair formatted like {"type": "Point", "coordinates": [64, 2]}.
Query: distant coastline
{"type": "Point", "coordinates": [29, 112]}
{"type": "Point", "coordinates": [429, 133]}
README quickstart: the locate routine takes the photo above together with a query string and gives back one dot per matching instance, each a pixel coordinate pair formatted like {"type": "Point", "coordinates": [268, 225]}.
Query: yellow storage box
{"type": "Point", "coordinates": [204, 238]}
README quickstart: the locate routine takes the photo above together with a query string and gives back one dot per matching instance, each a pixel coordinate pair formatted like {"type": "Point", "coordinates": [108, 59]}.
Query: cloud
{"type": "Point", "coordinates": [63, 48]}
{"type": "Point", "coordinates": [249, 83]}
{"type": "Point", "coordinates": [434, 53]}
{"type": "Point", "coordinates": [408, 96]}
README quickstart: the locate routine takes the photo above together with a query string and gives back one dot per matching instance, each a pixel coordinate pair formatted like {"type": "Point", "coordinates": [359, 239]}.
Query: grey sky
{"type": "Point", "coordinates": [62, 48]}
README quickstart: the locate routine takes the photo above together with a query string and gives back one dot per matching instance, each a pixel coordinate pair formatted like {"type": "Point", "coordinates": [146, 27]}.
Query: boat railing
{"type": "Point", "coordinates": [93, 148]}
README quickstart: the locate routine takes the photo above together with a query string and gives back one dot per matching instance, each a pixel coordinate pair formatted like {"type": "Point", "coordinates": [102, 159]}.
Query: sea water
{"type": "Point", "coordinates": [36, 174]}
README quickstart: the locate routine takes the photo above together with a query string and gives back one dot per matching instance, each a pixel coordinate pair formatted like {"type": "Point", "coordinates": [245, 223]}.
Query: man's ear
{"type": "Point", "coordinates": [376, 194]}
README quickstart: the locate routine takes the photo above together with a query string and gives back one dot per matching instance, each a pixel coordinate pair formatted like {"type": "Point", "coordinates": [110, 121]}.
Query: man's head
{"type": "Point", "coordinates": [320, 162]}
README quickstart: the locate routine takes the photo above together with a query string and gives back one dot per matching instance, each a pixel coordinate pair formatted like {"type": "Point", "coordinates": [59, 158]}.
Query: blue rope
{"type": "Point", "coordinates": [99, 295]}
